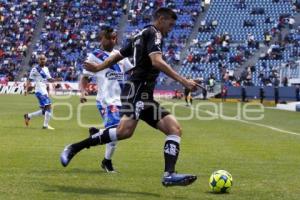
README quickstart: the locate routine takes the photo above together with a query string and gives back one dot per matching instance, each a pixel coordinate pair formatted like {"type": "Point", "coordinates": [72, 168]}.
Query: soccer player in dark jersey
{"type": "Point", "coordinates": [137, 97]}
{"type": "Point", "coordinates": [188, 96]}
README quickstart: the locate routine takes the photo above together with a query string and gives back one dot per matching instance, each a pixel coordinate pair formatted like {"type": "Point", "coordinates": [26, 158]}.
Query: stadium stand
{"type": "Point", "coordinates": [231, 33]}
{"type": "Point", "coordinates": [224, 42]}
{"type": "Point", "coordinates": [187, 12]}
{"type": "Point", "coordinates": [17, 22]}
{"type": "Point", "coordinates": [71, 30]}
{"type": "Point", "coordinates": [239, 18]}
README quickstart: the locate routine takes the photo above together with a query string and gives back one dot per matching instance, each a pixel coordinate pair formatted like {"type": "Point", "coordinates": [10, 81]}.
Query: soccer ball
{"type": "Point", "coordinates": [220, 181]}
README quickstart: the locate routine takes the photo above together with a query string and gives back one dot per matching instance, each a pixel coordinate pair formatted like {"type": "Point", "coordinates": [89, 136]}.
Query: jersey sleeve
{"type": "Point", "coordinates": [127, 65]}
{"type": "Point", "coordinates": [92, 58]}
{"type": "Point", "coordinates": [127, 50]}
{"type": "Point", "coordinates": [86, 73]}
{"type": "Point", "coordinates": [48, 76]}
{"type": "Point", "coordinates": [32, 73]}
{"type": "Point", "coordinates": [154, 40]}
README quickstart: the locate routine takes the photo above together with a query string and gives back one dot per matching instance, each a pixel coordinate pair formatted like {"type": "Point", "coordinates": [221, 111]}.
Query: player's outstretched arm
{"type": "Point", "coordinates": [82, 85]}
{"type": "Point", "coordinates": [51, 80]}
{"type": "Point", "coordinates": [159, 63]}
{"type": "Point", "coordinates": [27, 84]}
{"type": "Point", "coordinates": [96, 67]}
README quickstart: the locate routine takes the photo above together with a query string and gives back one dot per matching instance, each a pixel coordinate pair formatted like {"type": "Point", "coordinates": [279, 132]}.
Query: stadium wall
{"type": "Point", "coordinates": [284, 93]}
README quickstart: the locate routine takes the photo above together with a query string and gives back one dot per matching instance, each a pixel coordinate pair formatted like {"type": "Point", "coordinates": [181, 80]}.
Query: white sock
{"type": "Point", "coordinates": [96, 135]}
{"type": "Point", "coordinates": [174, 138]}
{"type": "Point", "coordinates": [35, 114]}
{"type": "Point", "coordinates": [110, 149]}
{"type": "Point", "coordinates": [47, 118]}
{"type": "Point", "coordinates": [113, 134]}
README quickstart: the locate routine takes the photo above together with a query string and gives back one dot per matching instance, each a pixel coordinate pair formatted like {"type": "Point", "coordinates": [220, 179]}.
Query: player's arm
{"type": "Point", "coordinates": [110, 61]}
{"type": "Point", "coordinates": [27, 85]}
{"type": "Point", "coordinates": [49, 77]}
{"type": "Point", "coordinates": [127, 65]}
{"type": "Point", "coordinates": [83, 82]}
{"type": "Point", "coordinates": [51, 80]}
{"type": "Point", "coordinates": [160, 64]}
{"type": "Point", "coordinates": [32, 73]}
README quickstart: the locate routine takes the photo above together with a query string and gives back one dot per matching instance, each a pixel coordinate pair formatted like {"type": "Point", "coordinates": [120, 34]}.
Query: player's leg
{"type": "Point", "coordinates": [107, 164]}
{"type": "Point", "coordinates": [111, 116]}
{"type": "Point", "coordinates": [170, 126]}
{"type": "Point", "coordinates": [47, 112]}
{"type": "Point", "coordinates": [28, 116]}
{"type": "Point", "coordinates": [124, 130]}
{"type": "Point", "coordinates": [47, 117]}
{"type": "Point", "coordinates": [191, 98]}
{"type": "Point", "coordinates": [37, 113]}
{"type": "Point", "coordinates": [157, 117]}
{"type": "Point", "coordinates": [186, 99]}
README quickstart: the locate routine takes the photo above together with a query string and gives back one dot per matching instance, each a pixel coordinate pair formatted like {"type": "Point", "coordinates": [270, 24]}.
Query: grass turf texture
{"type": "Point", "coordinates": [264, 163]}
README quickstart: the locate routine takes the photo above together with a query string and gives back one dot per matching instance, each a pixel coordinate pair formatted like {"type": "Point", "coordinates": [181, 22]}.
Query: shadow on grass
{"type": "Point", "coordinates": [70, 171]}
{"type": "Point", "coordinates": [98, 191]}
{"type": "Point", "coordinates": [22, 127]}
{"type": "Point", "coordinates": [215, 193]}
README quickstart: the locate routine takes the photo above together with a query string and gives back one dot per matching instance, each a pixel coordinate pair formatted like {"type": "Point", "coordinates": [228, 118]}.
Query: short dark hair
{"type": "Point", "coordinates": [106, 31]}
{"type": "Point", "coordinates": [165, 12]}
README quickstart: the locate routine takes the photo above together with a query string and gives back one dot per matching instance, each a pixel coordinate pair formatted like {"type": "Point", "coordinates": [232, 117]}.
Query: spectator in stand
{"type": "Point", "coordinates": [240, 5]}
{"type": "Point", "coordinates": [70, 32]}
{"type": "Point", "coordinates": [285, 81]}
{"type": "Point", "coordinates": [251, 41]}
{"type": "Point", "coordinates": [17, 22]}
{"type": "Point", "coordinates": [298, 93]}
{"type": "Point", "coordinates": [291, 22]}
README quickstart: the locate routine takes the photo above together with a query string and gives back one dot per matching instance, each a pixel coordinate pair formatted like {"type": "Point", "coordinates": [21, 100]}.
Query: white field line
{"type": "Point", "coordinates": [258, 124]}
{"type": "Point", "coordinates": [248, 122]}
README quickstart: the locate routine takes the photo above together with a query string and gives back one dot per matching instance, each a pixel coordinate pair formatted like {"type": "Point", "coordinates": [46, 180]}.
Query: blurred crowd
{"type": "Point", "coordinates": [18, 19]}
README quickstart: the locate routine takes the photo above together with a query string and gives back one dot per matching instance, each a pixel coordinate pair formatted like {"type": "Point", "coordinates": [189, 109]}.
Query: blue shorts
{"type": "Point", "coordinates": [110, 114]}
{"type": "Point", "coordinates": [44, 100]}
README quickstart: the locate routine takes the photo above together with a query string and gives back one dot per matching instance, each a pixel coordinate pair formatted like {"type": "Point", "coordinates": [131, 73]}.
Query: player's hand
{"type": "Point", "coordinates": [59, 79]}
{"type": "Point", "coordinates": [91, 66]}
{"type": "Point", "coordinates": [83, 100]}
{"type": "Point", "coordinates": [190, 84]}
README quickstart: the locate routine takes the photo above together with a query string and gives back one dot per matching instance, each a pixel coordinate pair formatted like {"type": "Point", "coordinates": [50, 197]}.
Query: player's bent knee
{"type": "Point", "coordinates": [113, 144]}
{"type": "Point", "coordinates": [176, 130]}
{"type": "Point", "coordinates": [124, 133]}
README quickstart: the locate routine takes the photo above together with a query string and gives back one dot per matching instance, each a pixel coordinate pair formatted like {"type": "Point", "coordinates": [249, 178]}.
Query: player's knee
{"type": "Point", "coordinates": [125, 132]}
{"type": "Point", "coordinates": [113, 144]}
{"type": "Point", "coordinates": [46, 108]}
{"type": "Point", "coordinates": [176, 130]}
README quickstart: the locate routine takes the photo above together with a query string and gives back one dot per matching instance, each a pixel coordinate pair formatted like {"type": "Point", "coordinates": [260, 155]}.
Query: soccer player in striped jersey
{"type": "Point", "coordinates": [41, 76]}
{"type": "Point", "coordinates": [138, 99]}
{"type": "Point", "coordinates": [109, 84]}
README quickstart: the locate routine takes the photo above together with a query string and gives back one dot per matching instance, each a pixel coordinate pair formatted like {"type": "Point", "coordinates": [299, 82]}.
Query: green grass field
{"type": "Point", "coordinates": [264, 161]}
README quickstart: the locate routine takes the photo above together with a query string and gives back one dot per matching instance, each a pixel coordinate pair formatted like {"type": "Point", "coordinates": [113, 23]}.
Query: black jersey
{"type": "Point", "coordinates": [187, 91]}
{"type": "Point", "coordinates": [143, 44]}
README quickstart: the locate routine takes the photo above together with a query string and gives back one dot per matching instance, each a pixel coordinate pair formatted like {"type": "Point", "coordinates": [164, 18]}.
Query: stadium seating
{"type": "Point", "coordinates": [187, 11]}
{"type": "Point", "coordinates": [17, 22]}
{"type": "Point", "coordinates": [70, 32]}
{"type": "Point", "coordinates": [231, 17]}
{"type": "Point", "coordinates": [71, 27]}
{"type": "Point", "coordinates": [227, 18]}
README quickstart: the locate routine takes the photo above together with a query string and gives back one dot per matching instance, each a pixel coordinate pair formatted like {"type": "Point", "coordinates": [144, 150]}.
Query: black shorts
{"type": "Point", "coordinates": [138, 103]}
{"type": "Point", "coordinates": [187, 92]}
